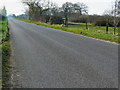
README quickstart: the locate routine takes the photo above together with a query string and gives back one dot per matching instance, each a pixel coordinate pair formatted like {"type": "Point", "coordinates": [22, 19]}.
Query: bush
{"type": "Point", "coordinates": [56, 20]}
{"type": "Point", "coordinates": [2, 17]}
{"type": "Point", "coordinates": [103, 23]}
{"type": "Point", "coordinates": [5, 50]}
{"type": "Point", "coordinates": [100, 23]}
{"type": "Point", "coordinates": [52, 19]}
{"type": "Point", "coordinates": [81, 19]}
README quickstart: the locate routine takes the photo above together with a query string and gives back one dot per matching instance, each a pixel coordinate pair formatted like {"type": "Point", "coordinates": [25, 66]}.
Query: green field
{"type": "Point", "coordinates": [97, 32]}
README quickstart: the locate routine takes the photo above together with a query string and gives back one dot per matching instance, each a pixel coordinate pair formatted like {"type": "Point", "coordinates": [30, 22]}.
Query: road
{"type": "Point", "coordinates": [50, 58]}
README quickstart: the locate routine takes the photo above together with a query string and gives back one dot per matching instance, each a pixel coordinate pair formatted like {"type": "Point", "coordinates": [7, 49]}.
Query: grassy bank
{"type": "Point", "coordinates": [97, 32]}
{"type": "Point", "coordinates": [5, 50]}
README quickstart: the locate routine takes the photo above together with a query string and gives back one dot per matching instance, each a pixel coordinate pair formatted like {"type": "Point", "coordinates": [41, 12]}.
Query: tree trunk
{"type": "Point", "coordinates": [106, 28]}
{"type": "Point", "coordinates": [66, 23]}
{"type": "Point", "coordinates": [86, 26]}
{"type": "Point", "coordinates": [114, 29]}
{"type": "Point", "coordinates": [114, 26]}
{"type": "Point", "coordinates": [66, 17]}
{"type": "Point", "coordinates": [66, 20]}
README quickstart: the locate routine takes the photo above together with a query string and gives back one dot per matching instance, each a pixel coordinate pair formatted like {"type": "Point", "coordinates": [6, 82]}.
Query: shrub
{"type": "Point", "coordinates": [81, 19]}
{"type": "Point", "coordinates": [51, 19]}
{"type": "Point", "coordinates": [100, 23]}
{"type": "Point", "coordinates": [56, 20]}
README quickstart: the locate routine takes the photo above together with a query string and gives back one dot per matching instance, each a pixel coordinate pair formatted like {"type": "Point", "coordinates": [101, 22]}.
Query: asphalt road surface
{"type": "Point", "coordinates": [50, 58]}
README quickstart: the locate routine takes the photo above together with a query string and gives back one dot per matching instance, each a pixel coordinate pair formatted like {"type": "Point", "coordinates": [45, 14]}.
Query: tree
{"type": "Point", "coordinates": [115, 13]}
{"type": "Point", "coordinates": [70, 10]}
{"type": "Point", "coordinates": [54, 9]}
{"type": "Point", "coordinates": [80, 8]}
{"type": "Point", "coordinates": [36, 8]}
{"type": "Point", "coordinates": [118, 8]}
{"type": "Point", "coordinates": [52, 12]}
{"type": "Point", "coordinates": [4, 12]}
{"type": "Point", "coordinates": [107, 18]}
{"type": "Point", "coordinates": [66, 9]}
{"type": "Point", "coordinates": [86, 20]}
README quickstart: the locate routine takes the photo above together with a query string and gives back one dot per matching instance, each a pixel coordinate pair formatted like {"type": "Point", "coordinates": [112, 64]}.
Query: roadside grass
{"type": "Point", "coordinates": [5, 63]}
{"type": "Point", "coordinates": [5, 51]}
{"type": "Point", "coordinates": [0, 54]}
{"type": "Point", "coordinates": [97, 32]}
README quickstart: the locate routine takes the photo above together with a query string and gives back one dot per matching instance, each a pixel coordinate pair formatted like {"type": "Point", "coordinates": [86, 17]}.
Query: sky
{"type": "Point", "coordinates": [94, 6]}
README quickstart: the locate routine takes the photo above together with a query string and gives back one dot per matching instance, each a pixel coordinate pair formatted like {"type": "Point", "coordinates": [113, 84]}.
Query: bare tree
{"type": "Point", "coordinates": [115, 13]}
{"type": "Point", "coordinates": [107, 17]}
{"type": "Point", "coordinates": [86, 21]}
{"type": "Point", "coordinates": [80, 8]}
{"type": "Point", "coordinates": [118, 8]}
{"type": "Point", "coordinates": [3, 11]}
{"type": "Point", "coordinates": [36, 8]}
{"type": "Point", "coordinates": [71, 9]}
{"type": "Point", "coordinates": [67, 9]}
{"type": "Point", "coordinates": [54, 9]}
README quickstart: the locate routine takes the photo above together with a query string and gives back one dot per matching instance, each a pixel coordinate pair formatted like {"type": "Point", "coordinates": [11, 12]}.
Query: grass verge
{"type": "Point", "coordinates": [5, 51]}
{"type": "Point", "coordinates": [97, 32]}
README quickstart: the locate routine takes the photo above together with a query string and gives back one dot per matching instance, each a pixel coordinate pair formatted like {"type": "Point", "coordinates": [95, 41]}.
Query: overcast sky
{"type": "Point", "coordinates": [94, 6]}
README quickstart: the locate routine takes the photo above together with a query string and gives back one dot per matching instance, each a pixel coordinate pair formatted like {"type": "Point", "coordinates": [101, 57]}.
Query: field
{"type": "Point", "coordinates": [4, 50]}
{"type": "Point", "coordinates": [97, 32]}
